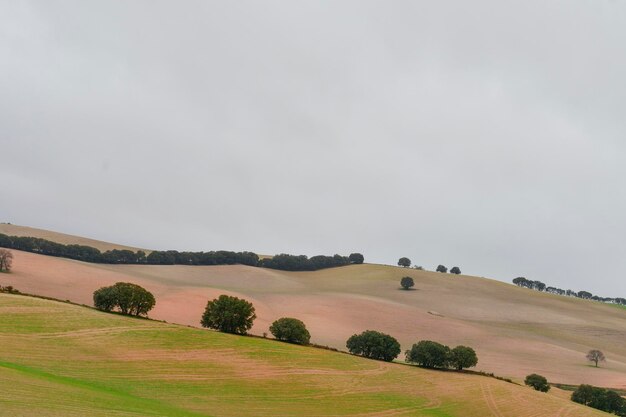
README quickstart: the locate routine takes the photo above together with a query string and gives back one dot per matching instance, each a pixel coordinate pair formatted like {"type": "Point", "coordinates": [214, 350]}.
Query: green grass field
{"type": "Point", "coordinates": [60, 359]}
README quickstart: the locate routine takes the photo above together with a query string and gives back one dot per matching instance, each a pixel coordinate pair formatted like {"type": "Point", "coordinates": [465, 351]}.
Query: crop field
{"type": "Point", "coordinates": [515, 331]}
{"type": "Point", "coordinates": [59, 359]}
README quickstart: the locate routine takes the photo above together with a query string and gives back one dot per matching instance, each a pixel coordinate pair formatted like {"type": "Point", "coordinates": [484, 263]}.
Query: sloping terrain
{"type": "Point", "coordinates": [59, 359]}
{"type": "Point", "coordinates": [515, 331]}
{"type": "Point", "coordinates": [25, 231]}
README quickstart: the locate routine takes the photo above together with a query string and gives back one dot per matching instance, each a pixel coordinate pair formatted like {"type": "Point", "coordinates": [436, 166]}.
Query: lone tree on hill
{"type": "Point", "coordinates": [407, 282]}
{"type": "Point", "coordinates": [538, 382]}
{"type": "Point", "coordinates": [228, 314]}
{"type": "Point", "coordinates": [462, 357]}
{"type": "Point", "coordinates": [290, 330]}
{"type": "Point", "coordinates": [442, 269]}
{"type": "Point", "coordinates": [428, 354]}
{"type": "Point", "coordinates": [129, 298]}
{"type": "Point", "coordinates": [404, 262]}
{"type": "Point", "coordinates": [595, 356]}
{"type": "Point", "coordinates": [374, 345]}
{"type": "Point", "coordinates": [455, 270]}
{"type": "Point", "coordinates": [356, 258]}
{"type": "Point", "coordinates": [6, 260]}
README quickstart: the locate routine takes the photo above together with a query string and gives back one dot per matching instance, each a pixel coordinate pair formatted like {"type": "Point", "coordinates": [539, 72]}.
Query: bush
{"type": "Point", "coordinates": [407, 282]}
{"type": "Point", "coordinates": [538, 382]}
{"type": "Point", "coordinates": [356, 258]}
{"type": "Point", "coordinates": [374, 345]}
{"type": "Point", "coordinates": [455, 270]}
{"type": "Point", "coordinates": [462, 357]}
{"type": "Point", "coordinates": [404, 262]}
{"type": "Point", "coordinates": [228, 314]}
{"type": "Point", "coordinates": [128, 298]}
{"type": "Point", "coordinates": [428, 354]}
{"type": "Point", "coordinates": [442, 269]}
{"type": "Point", "coordinates": [290, 330]}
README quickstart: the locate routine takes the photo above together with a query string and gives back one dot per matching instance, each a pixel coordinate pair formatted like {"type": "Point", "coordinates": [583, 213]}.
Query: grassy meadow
{"type": "Point", "coordinates": [59, 359]}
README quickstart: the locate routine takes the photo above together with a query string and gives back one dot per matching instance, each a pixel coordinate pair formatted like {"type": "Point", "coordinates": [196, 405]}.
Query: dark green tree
{"type": "Point", "coordinates": [104, 299]}
{"type": "Point", "coordinates": [229, 314]}
{"type": "Point", "coordinates": [128, 298]}
{"type": "Point", "coordinates": [290, 330]}
{"type": "Point", "coordinates": [462, 357]}
{"type": "Point", "coordinates": [455, 270]}
{"type": "Point", "coordinates": [538, 382]}
{"type": "Point", "coordinates": [600, 398]}
{"type": "Point", "coordinates": [442, 269]}
{"type": "Point", "coordinates": [404, 262]}
{"type": "Point", "coordinates": [374, 345]}
{"type": "Point", "coordinates": [428, 354]}
{"type": "Point", "coordinates": [356, 258]}
{"type": "Point", "coordinates": [407, 282]}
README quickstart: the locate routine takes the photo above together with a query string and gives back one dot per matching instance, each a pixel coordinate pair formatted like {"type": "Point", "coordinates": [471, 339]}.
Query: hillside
{"type": "Point", "coordinates": [25, 231]}
{"type": "Point", "coordinates": [515, 331]}
{"type": "Point", "coordinates": [64, 360]}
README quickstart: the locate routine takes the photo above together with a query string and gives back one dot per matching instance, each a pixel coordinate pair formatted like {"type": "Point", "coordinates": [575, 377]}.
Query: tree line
{"type": "Point", "coordinates": [585, 295]}
{"type": "Point", "coordinates": [85, 253]}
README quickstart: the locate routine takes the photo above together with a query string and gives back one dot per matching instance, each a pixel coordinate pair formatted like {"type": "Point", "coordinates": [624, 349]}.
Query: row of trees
{"type": "Point", "coordinates": [406, 262]}
{"type": "Point", "coordinates": [287, 262]}
{"type": "Point", "coordinates": [430, 354]}
{"type": "Point", "coordinates": [427, 353]}
{"type": "Point", "coordinates": [585, 295]}
{"type": "Point", "coordinates": [600, 398]}
{"type": "Point", "coordinates": [172, 257]}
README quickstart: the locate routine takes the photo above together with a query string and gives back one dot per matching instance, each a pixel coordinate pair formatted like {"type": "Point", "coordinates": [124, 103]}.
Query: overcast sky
{"type": "Point", "coordinates": [486, 134]}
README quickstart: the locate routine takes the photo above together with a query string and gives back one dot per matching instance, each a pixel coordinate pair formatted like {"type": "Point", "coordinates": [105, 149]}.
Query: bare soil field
{"type": "Point", "coordinates": [515, 331]}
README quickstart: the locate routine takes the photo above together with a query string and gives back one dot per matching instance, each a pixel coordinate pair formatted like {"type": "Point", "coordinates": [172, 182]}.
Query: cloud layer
{"type": "Point", "coordinates": [480, 134]}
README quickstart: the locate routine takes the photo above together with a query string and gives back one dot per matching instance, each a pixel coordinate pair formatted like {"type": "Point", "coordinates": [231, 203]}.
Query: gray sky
{"type": "Point", "coordinates": [487, 134]}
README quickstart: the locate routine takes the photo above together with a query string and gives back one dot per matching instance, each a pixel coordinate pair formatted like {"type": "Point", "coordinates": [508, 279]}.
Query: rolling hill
{"type": "Point", "coordinates": [515, 331]}
{"type": "Point", "coordinates": [59, 359]}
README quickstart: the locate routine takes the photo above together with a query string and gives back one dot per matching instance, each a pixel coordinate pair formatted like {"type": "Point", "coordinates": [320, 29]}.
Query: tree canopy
{"type": "Point", "coordinates": [356, 258]}
{"type": "Point", "coordinates": [600, 398]}
{"type": "Point", "coordinates": [442, 269]}
{"type": "Point", "coordinates": [455, 270]}
{"type": "Point", "coordinates": [404, 262]}
{"type": "Point", "coordinates": [462, 357]}
{"type": "Point", "coordinates": [538, 382]}
{"type": "Point", "coordinates": [407, 282]}
{"type": "Point", "coordinates": [228, 314]}
{"type": "Point", "coordinates": [428, 354]}
{"type": "Point", "coordinates": [374, 345]}
{"type": "Point", "coordinates": [290, 330]}
{"type": "Point", "coordinates": [128, 298]}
